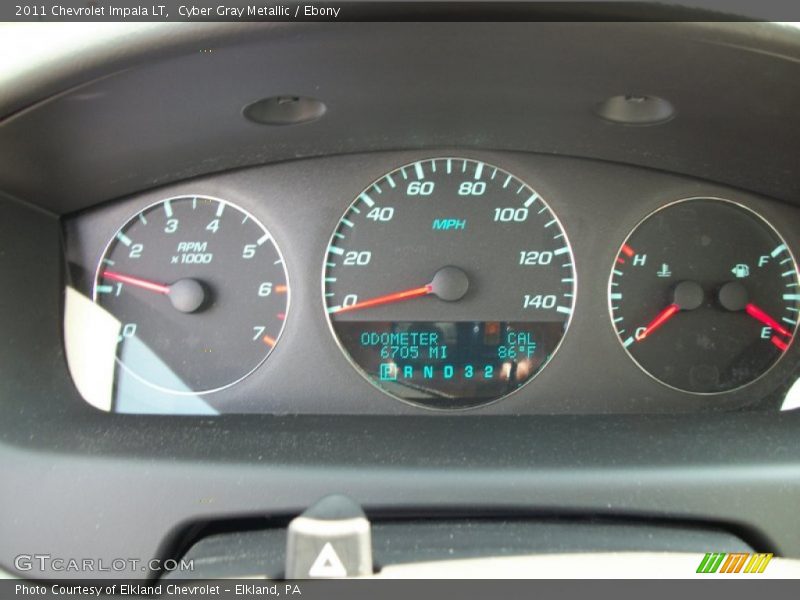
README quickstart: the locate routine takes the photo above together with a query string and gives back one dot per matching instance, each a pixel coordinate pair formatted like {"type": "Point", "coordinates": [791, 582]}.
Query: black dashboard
{"type": "Point", "coordinates": [301, 201]}
{"type": "Point", "coordinates": [643, 156]}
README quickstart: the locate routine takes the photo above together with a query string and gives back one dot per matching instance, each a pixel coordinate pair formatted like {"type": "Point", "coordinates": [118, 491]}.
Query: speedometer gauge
{"type": "Point", "coordinates": [449, 283]}
{"type": "Point", "coordinates": [199, 289]}
{"type": "Point", "coordinates": [704, 295]}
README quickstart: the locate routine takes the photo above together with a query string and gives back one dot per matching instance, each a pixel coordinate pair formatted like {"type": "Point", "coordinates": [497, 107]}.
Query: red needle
{"type": "Point", "coordinates": [142, 283]}
{"type": "Point", "coordinates": [387, 299]}
{"type": "Point", "coordinates": [758, 314]}
{"type": "Point", "coordinates": [662, 317]}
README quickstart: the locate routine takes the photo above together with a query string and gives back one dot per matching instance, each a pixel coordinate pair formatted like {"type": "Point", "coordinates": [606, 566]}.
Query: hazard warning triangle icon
{"type": "Point", "coordinates": [327, 564]}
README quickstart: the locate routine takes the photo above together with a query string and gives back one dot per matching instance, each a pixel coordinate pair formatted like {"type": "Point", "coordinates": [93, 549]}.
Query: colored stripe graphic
{"type": "Point", "coordinates": [758, 563]}
{"type": "Point", "coordinates": [710, 562]}
{"type": "Point", "coordinates": [734, 562]}
{"type": "Point", "coordinates": [713, 562]}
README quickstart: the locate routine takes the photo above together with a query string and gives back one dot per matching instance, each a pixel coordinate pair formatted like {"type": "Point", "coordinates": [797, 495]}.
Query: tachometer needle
{"type": "Point", "coordinates": [386, 299]}
{"type": "Point", "coordinates": [759, 315]}
{"type": "Point", "coordinates": [136, 281]}
{"type": "Point", "coordinates": [185, 295]}
{"type": "Point", "coordinates": [662, 317]}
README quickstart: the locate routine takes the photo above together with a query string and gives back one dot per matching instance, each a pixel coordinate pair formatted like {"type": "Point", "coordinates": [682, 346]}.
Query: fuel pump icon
{"type": "Point", "coordinates": [741, 271]}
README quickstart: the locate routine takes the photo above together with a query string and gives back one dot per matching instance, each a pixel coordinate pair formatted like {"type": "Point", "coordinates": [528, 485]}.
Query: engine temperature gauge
{"type": "Point", "coordinates": [704, 295]}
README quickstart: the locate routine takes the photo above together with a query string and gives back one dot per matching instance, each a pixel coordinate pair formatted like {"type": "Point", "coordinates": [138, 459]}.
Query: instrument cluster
{"type": "Point", "coordinates": [449, 281]}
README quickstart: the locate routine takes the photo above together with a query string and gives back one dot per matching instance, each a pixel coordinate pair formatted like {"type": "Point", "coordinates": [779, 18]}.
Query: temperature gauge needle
{"type": "Point", "coordinates": [759, 315]}
{"type": "Point", "coordinates": [386, 299]}
{"type": "Point", "coordinates": [662, 317]}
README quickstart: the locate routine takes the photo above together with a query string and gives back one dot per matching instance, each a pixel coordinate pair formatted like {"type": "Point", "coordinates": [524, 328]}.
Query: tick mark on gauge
{"type": "Point", "coordinates": [269, 341]}
{"type": "Point", "coordinates": [124, 239]}
{"type": "Point", "coordinates": [531, 200]}
{"type": "Point", "coordinates": [367, 200]}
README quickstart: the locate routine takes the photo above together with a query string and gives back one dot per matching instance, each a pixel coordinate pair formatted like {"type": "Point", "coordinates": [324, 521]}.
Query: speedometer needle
{"type": "Point", "coordinates": [662, 317]}
{"type": "Point", "coordinates": [449, 284]}
{"type": "Point", "coordinates": [386, 299]}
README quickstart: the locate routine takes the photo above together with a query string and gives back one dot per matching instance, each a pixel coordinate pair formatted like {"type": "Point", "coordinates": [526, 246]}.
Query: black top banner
{"type": "Point", "coordinates": [374, 10]}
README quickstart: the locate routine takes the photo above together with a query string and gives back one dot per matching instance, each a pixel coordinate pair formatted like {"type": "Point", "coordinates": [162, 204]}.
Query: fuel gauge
{"type": "Point", "coordinates": [704, 295]}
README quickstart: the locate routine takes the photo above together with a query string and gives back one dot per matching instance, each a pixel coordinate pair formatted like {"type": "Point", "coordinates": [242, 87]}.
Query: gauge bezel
{"type": "Point", "coordinates": [275, 244]}
{"type": "Point", "coordinates": [633, 230]}
{"type": "Point", "coordinates": [364, 374]}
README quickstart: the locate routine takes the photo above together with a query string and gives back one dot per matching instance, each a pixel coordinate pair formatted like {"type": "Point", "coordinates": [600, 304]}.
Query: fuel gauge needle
{"type": "Point", "coordinates": [759, 315]}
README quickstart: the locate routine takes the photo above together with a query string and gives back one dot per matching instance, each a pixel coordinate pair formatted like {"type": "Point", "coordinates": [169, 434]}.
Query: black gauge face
{"type": "Point", "coordinates": [199, 289]}
{"type": "Point", "coordinates": [705, 296]}
{"type": "Point", "coordinates": [449, 283]}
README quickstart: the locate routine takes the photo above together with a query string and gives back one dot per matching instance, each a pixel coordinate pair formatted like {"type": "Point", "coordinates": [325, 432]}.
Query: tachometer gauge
{"type": "Point", "coordinates": [704, 295]}
{"type": "Point", "coordinates": [200, 291]}
{"type": "Point", "coordinates": [449, 283]}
